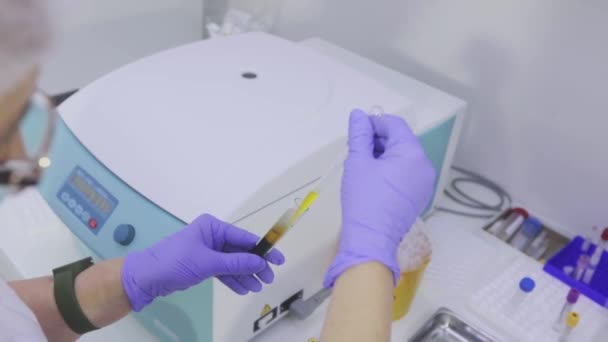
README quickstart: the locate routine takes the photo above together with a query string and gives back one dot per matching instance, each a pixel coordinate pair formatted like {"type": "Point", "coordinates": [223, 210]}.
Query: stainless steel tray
{"type": "Point", "coordinates": [445, 326]}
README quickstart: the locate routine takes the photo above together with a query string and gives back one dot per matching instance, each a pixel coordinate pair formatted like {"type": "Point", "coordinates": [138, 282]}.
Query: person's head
{"type": "Point", "coordinates": [24, 118]}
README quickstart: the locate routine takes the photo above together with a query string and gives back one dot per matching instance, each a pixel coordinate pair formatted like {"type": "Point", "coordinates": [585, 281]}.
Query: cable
{"type": "Point", "coordinates": [461, 197]}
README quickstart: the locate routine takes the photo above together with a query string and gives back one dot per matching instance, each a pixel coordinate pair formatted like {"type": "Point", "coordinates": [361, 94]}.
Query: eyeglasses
{"type": "Point", "coordinates": [29, 143]}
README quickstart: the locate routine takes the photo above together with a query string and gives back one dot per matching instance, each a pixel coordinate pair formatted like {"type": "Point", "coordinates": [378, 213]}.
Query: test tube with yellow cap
{"type": "Point", "coordinates": [292, 215]}
{"type": "Point", "coordinates": [571, 323]}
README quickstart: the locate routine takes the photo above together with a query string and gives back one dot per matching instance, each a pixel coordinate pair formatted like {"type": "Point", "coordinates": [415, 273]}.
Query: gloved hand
{"type": "Point", "coordinates": [387, 182]}
{"type": "Point", "coordinates": [205, 248]}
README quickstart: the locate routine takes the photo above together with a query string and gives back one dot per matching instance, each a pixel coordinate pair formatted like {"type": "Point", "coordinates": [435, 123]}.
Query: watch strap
{"type": "Point", "coordinates": [65, 295]}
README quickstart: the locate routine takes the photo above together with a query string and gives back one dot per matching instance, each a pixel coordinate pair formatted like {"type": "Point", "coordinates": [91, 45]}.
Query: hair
{"type": "Point", "coordinates": [25, 33]}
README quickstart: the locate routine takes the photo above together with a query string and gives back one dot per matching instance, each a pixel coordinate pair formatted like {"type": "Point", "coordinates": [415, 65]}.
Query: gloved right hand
{"type": "Point", "coordinates": [387, 183]}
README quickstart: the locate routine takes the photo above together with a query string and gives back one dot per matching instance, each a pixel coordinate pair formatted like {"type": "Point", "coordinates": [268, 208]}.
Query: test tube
{"type": "Point", "coordinates": [275, 233]}
{"type": "Point", "coordinates": [571, 299]}
{"type": "Point", "coordinates": [539, 246]}
{"type": "Point", "coordinates": [571, 322]}
{"type": "Point", "coordinates": [496, 227]}
{"type": "Point", "coordinates": [529, 230]}
{"type": "Point", "coordinates": [593, 262]}
{"type": "Point", "coordinates": [526, 286]}
{"type": "Point", "coordinates": [511, 223]}
{"type": "Point", "coordinates": [292, 215]}
{"type": "Point", "coordinates": [581, 265]}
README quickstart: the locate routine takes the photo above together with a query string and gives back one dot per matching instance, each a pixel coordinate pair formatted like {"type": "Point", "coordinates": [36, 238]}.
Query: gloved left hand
{"type": "Point", "coordinates": [205, 248]}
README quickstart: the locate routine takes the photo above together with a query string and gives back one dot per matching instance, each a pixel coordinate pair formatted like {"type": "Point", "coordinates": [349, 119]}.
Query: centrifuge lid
{"type": "Point", "coordinates": [201, 127]}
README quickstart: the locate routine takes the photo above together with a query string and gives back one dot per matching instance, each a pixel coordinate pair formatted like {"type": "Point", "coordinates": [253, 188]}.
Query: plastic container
{"type": "Point", "coordinates": [529, 230]}
{"type": "Point", "coordinates": [511, 224]}
{"type": "Point", "coordinates": [414, 254]}
{"type": "Point", "coordinates": [597, 289]}
{"type": "Point", "coordinates": [405, 291]}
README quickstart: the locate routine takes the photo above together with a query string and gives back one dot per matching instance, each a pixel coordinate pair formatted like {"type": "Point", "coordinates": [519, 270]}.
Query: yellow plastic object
{"type": "Point", "coordinates": [572, 320]}
{"type": "Point", "coordinates": [310, 198]}
{"type": "Point", "coordinates": [406, 288]}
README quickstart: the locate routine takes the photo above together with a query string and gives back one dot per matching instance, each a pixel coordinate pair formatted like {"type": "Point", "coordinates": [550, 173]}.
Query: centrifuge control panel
{"type": "Point", "coordinates": [88, 200]}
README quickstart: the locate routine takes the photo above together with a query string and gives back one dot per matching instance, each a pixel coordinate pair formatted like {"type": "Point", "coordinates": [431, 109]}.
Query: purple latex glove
{"type": "Point", "coordinates": [387, 183]}
{"type": "Point", "coordinates": [205, 248]}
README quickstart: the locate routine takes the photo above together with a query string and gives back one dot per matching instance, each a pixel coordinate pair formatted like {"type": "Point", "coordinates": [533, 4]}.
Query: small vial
{"type": "Point", "coordinates": [571, 323]}
{"type": "Point", "coordinates": [529, 230]}
{"type": "Point", "coordinates": [512, 223]}
{"type": "Point", "coordinates": [581, 266]}
{"type": "Point", "coordinates": [526, 286]}
{"type": "Point", "coordinates": [571, 299]}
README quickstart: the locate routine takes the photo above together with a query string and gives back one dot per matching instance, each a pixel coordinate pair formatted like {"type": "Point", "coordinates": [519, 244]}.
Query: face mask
{"type": "Point", "coordinates": [31, 142]}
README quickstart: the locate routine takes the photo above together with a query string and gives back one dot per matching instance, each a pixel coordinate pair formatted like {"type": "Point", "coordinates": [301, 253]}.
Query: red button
{"type": "Point", "coordinates": [93, 223]}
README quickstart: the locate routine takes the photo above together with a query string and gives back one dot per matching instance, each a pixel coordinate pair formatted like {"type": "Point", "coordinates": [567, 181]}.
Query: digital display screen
{"type": "Point", "coordinates": [98, 201]}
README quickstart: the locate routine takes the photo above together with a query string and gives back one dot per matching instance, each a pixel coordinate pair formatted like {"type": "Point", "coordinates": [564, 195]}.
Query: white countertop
{"type": "Point", "coordinates": [464, 257]}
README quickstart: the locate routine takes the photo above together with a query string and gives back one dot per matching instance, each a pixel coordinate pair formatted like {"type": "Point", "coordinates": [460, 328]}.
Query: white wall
{"type": "Point", "coordinates": [94, 37]}
{"type": "Point", "coordinates": [534, 72]}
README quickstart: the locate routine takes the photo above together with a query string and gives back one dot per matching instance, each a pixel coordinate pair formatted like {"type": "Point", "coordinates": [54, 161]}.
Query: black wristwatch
{"type": "Point", "coordinates": [65, 296]}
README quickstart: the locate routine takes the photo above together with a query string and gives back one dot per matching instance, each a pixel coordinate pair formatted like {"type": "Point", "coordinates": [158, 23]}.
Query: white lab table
{"type": "Point", "coordinates": [35, 241]}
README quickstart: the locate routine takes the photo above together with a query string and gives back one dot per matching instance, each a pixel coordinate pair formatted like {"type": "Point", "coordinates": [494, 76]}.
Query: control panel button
{"type": "Point", "coordinates": [124, 234]}
{"type": "Point", "coordinates": [72, 203]}
{"type": "Point", "coordinates": [65, 196]}
{"type": "Point", "coordinates": [78, 210]}
{"type": "Point", "coordinates": [92, 223]}
{"type": "Point", "coordinates": [85, 216]}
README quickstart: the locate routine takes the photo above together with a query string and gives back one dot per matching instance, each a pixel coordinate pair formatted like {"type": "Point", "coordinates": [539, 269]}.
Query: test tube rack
{"type": "Point", "coordinates": [597, 289]}
{"type": "Point", "coordinates": [533, 318]}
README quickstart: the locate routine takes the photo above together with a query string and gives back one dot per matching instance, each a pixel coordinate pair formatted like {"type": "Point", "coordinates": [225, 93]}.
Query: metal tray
{"type": "Point", "coordinates": [445, 326]}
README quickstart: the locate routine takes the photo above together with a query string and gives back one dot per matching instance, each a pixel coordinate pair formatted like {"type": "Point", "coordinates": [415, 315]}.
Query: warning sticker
{"type": "Point", "coordinates": [265, 310]}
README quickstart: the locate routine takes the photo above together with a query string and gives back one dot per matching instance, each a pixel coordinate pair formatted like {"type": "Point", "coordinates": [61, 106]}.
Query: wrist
{"type": "Point", "coordinates": [132, 284]}
{"type": "Point", "coordinates": [374, 268]}
{"type": "Point", "coordinates": [100, 292]}
{"type": "Point", "coordinates": [364, 248]}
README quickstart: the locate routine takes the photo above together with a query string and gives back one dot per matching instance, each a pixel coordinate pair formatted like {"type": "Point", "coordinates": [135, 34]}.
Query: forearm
{"type": "Point", "coordinates": [360, 307]}
{"type": "Point", "coordinates": [98, 289]}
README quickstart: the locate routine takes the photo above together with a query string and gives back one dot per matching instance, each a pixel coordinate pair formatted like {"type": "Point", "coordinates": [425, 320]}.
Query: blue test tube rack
{"type": "Point", "coordinates": [597, 289]}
